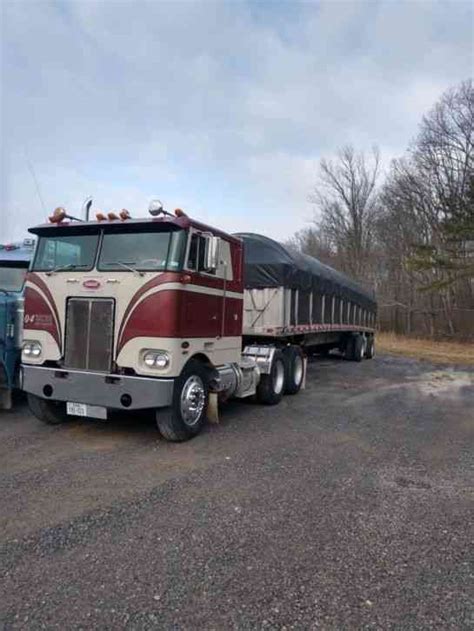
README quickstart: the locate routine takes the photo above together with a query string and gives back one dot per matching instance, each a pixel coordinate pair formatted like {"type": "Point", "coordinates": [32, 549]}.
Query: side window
{"type": "Point", "coordinates": [197, 254]}
{"type": "Point", "coordinates": [201, 254]}
{"type": "Point", "coordinates": [193, 252]}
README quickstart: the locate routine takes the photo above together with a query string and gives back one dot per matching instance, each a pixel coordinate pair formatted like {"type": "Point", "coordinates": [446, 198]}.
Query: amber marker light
{"type": "Point", "coordinates": [180, 213]}
{"type": "Point", "coordinates": [100, 217]}
{"type": "Point", "coordinates": [58, 215]}
{"type": "Point", "coordinates": [124, 214]}
{"type": "Point", "coordinates": [112, 216]}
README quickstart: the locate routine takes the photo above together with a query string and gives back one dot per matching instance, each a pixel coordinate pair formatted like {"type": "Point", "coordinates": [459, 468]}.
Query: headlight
{"type": "Point", "coordinates": [156, 359]}
{"type": "Point", "coordinates": [32, 349]}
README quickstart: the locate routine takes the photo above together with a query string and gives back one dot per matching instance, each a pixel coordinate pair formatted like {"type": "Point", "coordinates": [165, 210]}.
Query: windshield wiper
{"type": "Point", "coordinates": [126, 266]}
{"type": "Point", "coordinates": [64, 268]}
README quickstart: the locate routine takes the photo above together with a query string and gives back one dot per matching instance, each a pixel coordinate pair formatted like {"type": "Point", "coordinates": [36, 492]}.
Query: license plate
{"type": "Point", "coordinates": [83, 409]}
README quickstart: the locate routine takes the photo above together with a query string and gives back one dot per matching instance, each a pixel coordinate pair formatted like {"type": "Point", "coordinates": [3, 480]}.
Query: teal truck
{"type": "Point", "coordinates": [14, 263]}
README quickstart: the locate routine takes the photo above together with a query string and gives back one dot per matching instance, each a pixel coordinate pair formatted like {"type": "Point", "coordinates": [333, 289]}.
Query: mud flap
{"type": "Point", "coordinates": [213, 408]}
{"type": "Point", "coordinates": [5, 399]}
{"type": "Point", "coordinates": [305, 368]}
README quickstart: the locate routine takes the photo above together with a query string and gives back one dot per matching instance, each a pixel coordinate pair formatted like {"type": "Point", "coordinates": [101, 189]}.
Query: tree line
{"type": "Point", "coordinates": [407, 233]}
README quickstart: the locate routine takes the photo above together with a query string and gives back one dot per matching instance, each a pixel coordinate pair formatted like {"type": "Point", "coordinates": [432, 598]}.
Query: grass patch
{"type": "Point", "coordinates": [439, 352]}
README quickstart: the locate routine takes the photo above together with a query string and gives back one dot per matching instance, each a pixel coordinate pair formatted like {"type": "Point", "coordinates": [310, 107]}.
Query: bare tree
{"type": "Point", "coordinates": [346, 198]}
{"type": "Point", "coordinates": [413, 237]}
{"type": "Point", "coordinates": [313, 241]}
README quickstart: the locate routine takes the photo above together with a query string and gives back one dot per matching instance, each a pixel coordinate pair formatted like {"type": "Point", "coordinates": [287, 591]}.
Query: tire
{"type": "Point", "coordinates": [187, 414]}
{"type": "Point", "coordinates": [271, 387]}
{"type": "Point", "coordinates": [370, 348]}
{"type": "Point", "coordinates": [49, 412]}
{"type": "Point", "coordinates": [294, 369]}
{"type": "Point", "coordinates": [355, 348]}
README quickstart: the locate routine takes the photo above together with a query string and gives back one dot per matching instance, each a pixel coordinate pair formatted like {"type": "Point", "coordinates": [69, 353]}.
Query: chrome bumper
{"type": "Point", "coordinates": [97, 388]}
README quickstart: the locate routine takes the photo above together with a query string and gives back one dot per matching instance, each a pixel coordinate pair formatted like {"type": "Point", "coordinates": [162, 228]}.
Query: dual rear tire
{"type": "Point", "coordinates": [359, 346]}
{"type": "Point", "coordinates": [370, 347]}
{"type": "Point", "coordinates": [271, 387]}
{"type": "Point", "coordinates": [286, 376]}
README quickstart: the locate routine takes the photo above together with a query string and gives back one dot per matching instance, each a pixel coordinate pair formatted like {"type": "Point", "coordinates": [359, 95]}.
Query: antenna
{"type": "Point", "coordinates": [33, 175]}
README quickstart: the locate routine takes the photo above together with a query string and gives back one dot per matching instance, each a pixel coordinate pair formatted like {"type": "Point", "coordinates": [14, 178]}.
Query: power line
{"type": "Point", "coordinates": [33, 175]}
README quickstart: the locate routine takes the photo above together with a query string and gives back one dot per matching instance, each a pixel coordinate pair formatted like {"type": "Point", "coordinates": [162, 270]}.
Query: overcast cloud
{"type": "Point", "coordinates": [222, 109]}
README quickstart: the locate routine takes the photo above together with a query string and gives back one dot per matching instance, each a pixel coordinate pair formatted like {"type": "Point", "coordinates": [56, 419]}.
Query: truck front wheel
{"type": "Point", "coordinates": [187, 414]}
{"type": "Point", "coordinates": [49, 412]}
{"type": "Point", "coordinates": [271, 387]}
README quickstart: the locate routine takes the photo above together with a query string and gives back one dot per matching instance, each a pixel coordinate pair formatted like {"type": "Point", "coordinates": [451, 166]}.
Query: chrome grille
{"type": "Point", "coordinates": [89, 334]}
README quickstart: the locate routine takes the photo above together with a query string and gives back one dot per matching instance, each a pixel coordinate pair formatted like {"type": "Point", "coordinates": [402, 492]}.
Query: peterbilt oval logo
{"type": "Point", "coordinates": [91, 283]}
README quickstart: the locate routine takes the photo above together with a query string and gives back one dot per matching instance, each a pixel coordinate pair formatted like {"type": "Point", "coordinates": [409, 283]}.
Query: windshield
{"type": "Point", "coordinates": [69, 252]}
{"type": "Point", "coordinates": [142, 251]}
{"type": "Point", "coordinates": [12, 278]}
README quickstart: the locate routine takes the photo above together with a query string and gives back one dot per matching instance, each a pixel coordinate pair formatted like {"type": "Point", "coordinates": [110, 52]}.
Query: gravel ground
{"type": "Point", "coordinates": [345, 507]}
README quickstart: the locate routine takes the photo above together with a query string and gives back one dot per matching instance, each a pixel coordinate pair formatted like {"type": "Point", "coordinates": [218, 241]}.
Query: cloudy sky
{"type": "Point", "coordinates": [221, 108]}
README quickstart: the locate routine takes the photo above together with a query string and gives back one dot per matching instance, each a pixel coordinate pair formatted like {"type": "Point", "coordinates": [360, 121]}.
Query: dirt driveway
{"type": "Point", "coordinates": [345, 507]}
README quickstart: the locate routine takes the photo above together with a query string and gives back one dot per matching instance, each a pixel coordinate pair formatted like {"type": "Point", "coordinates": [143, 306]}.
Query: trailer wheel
{"type": "Point", "coordinates": [294, 369]}
{"type": "Point", "coordinates": [49, 412]}
{"type": "Point", "coordinates": [271, 387]}
{"type": "Point", "coordinates": [370, 348]}
{"type": "Point", "coordinates": [355, 348]}
{"type": "Point", "coordinates": [187, 414]}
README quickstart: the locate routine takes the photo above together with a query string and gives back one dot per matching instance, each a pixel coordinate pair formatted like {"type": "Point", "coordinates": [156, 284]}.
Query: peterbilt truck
{"type": "Point", "coordinates": [168, 314]}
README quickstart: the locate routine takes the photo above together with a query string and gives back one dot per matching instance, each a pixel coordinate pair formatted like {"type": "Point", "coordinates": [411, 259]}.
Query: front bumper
{"type": "Point", "coordinates": [97, 388]}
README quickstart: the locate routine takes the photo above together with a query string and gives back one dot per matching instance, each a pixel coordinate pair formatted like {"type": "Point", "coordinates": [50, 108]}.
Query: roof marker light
{"type": "Point", "coordinates": [180, 213]}
{"type": "Point", "coordinates": [100, 217]}
{"type": "Point", "coordinates": [112, 216]}
{"type": "Point", "coordinates": [124, 214]}
{"type": "Point", "coordinates": [58, 215]}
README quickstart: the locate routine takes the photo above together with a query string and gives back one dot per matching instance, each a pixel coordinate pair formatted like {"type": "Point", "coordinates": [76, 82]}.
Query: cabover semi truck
{"type": "Point", "coordinates": [169, 314]}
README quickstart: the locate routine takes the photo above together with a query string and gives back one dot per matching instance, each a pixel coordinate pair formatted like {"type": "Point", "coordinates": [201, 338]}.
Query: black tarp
{"type": "Point", "coordinates": [271, 264]}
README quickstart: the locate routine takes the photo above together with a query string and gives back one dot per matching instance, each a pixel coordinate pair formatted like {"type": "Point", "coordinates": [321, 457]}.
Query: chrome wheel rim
{"type": "Point", "coordinates": [278, 377]}
{"type": "Point", "coordinates": [298, 370]}
{"type": "Point", "coordinates": [192, 400]}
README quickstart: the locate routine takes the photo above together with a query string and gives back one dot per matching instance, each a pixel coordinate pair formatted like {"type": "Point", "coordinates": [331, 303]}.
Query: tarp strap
{"type": "Point", "coordinates": [264, 308]}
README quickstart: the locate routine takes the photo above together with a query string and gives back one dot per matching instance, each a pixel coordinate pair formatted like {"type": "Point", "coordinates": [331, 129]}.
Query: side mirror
{"type": "Point", "coordinates": [211, 258]}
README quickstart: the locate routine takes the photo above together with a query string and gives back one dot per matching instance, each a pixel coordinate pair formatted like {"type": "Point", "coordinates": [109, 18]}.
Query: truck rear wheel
{"type": "Point", "coordinates": [370, 347]}
{"type": "Point", "coordinates": [294, 369]}
{"type": "Point", "coordinates": [49, 412]}
{"type": "Point", "coordinates": [355, 348]}
{"type": "Point", "coordinates": [187, 414]}
{"type": "Point", "coordinates": [271, 387]}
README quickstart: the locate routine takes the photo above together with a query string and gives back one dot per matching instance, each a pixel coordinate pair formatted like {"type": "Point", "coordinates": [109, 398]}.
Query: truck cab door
{"type": "Point", "coordinates": [202, 301]}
